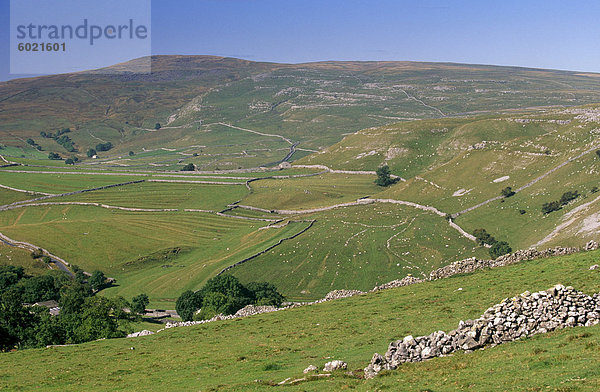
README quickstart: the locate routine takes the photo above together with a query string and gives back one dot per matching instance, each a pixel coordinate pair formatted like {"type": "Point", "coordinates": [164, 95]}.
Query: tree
{"type": "Point", "coordinates": [157, 126]}
{"type": "Point", "coordinates": [104, 146]}
{"type": "Point", "coordinates": [131, 153]}
{"type": "Point", "coordinates": [69, 161]}
{"type": "Point", "coordinates": [227, 285]}
{"type": "Point", "coordinates": [91, 152]}
{"type": "Point", "coordinates": [97, 280]}
{"type": "Point", "coordinates": [568, 196]}
{"type": "Point", "coordinates": [594, 189]}
{"type": "Point", "coordinates": [187, 304]}
{"type": "Point", "coordinates": [139, 303]}
{"type": "Point", "coordinates": [39, 288]}
{"type": "Point", "coordinates": [10, 276]}
{"type": "Point", "coordinates": [95, 321]}
{"type": "Point", "coordinates": [598, 153]}
{"type": "Point", "coordinates": [507, 192]}
{"type": "Point", "coordinates": [384, 176]}
{"type": "Point", "coordinates": [189, 167]}
{"type": "Point", "coordinates": [214, 303]}
{"type": "Point", "coordinates": [265, 294]}
{"type": "Point", "coordinates": [15, 321]}
{"type": "Point", "coordinates": [483, 237]}
{"type": "Point", "coordinates": [54, 156]}
{"type": "Point", "coordinates": [500, 248]}
{"type": "Point", "coordinates": [30, 141]}
{"type": "Point", "coordinates": [549, 207]}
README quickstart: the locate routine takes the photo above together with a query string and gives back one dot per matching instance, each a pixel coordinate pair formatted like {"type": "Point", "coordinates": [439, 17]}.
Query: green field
{"type": "Point", "coordinates": [310, 192]}
{"type": "Point", "coordinates": [232, 355]}
{"type": "Point", "coordinates": [10, 255]}
{"type": "Point", "coordinates": [358, 248]}
{"type": "Point", "coordinates": [131, 246]}
{"type": "Point", "coordinates": [164, 195]}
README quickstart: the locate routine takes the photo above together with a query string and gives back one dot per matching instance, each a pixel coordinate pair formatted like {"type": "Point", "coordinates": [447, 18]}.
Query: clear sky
{"type": "Point", "coordinates": [543, 34]}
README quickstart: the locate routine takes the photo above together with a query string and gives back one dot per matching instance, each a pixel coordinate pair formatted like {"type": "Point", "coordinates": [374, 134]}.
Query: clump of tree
{"type": "Point", "coordinates": [66, 142]}
{"type": "Point", "coordinates": [54, 156]}
{"type": "Point", "coordinates": [37, 253]}
{"type": "Point", "coordinates": [189, 167]}
{"type": "Point", "coordinates": [91, 152]}
{"type": "Point", "coordinates": [500, 248]}
{"type": "Point", "coordinates": [558, 204]}
{"type": "Point", "coordinates": [104, 146]}
{"type": "Point", "coordinates": [224, 294]}
{"type": "Point", "coordinates": [157, 126]}
{"type": "Point", "coordinates": [82, 317]}
{"type": "Point", "coordinates": [483, 237]}
{"type": "Point", "coordinates": [139, 304]}
{"type": "Point", "coordinates": [497, 248]}
{"type": "Point", "coordinates": [594, 189]}
{"type": "Point", "coordinates": [33, 144]}
{"type": "Point", "coordinates": [507, 192]}
{"type": "Point", "coordinates": [384, 176]}
{"type": "Point", "coordinates": [58, 133]}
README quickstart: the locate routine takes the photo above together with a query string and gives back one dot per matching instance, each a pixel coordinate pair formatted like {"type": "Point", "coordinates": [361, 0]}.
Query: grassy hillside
{"type": "Point", "coordinates": [358, 248]}
{"type": "Point", "coordinates": [457, 164]}
{"type": "Point", "coordinates": [232, 355]}
{"type": "Point", "coordinates": [159, 253]}
{"type": "Point", "coordinates": [197, 99]}
{"type": "Point", "coordinates": [10, 255]}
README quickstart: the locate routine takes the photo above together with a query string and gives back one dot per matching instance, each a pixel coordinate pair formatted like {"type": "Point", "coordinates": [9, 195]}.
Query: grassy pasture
{"type": "Point", "coordinates": [7, 196]}
{"type": "Point", "coordinates": [357, 248]}
{"type": "Point", "coordinates": [10, 255]}
{"type": "Point", "coordinates": [127, 245]}
{"type": "Point", "coordinates": [165, 195]}
{"type": "Point", "coordinates": [59, 183]}
{"type": "Point", "coordinates": [310, 192]}
{"type": "Point", "coordinates": [231, 355]}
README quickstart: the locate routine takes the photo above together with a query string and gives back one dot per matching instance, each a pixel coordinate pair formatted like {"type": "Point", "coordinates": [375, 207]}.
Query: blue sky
{"type": "Point", "coordinates": [541, 34]}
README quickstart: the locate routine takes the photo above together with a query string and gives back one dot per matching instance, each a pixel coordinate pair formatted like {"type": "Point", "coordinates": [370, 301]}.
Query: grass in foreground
{"type": "Point", "coordinates": [231, 355]}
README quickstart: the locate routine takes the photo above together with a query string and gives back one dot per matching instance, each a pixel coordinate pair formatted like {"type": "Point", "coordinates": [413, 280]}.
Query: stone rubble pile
{"type": "Point", "coordinates": [145, 332]}
{"type": "Point", "coordinates": [337, 294]}
{"type": "Point", "coordinates": [406, 281]}
{"type": "Point", "coordinates": [512, 319]}
{"type": "Point", "coordinates": [250, 310]}
{"type": "Point", "coordinates": [334, 365]}
{"type": "Point", "coordinates": [472, 264]}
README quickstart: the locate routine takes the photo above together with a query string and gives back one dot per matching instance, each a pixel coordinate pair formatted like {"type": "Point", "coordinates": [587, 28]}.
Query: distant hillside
{"type": "Point", "coordinates": [312, 104]}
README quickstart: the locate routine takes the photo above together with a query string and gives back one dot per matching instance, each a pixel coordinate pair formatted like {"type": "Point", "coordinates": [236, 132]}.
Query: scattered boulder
{"type": "Point", "coordinates": [310, 368]}
{"type": "Point", "coordinates": [594, 267]}
{"type": "Point", "coordinates": [335, 365]}
{"type": "Point", "coordinates": [145, 332]}
{"type": "Point", "coordinates": [592, 245]}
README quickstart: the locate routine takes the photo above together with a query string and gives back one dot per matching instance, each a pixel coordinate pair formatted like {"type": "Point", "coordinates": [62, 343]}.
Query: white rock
{"type": "Point", "coordinates": [334, 365]}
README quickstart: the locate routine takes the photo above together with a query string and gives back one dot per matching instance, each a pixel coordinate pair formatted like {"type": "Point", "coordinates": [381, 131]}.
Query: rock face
{"type": "Point", "coordinates": [334, 365]}
{"type": "Point", "coordinates": [514, 318]}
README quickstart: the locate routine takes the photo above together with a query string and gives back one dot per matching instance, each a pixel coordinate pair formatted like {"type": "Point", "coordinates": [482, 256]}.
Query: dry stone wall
{"type": "Point", "coordinates": [512, 319]}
